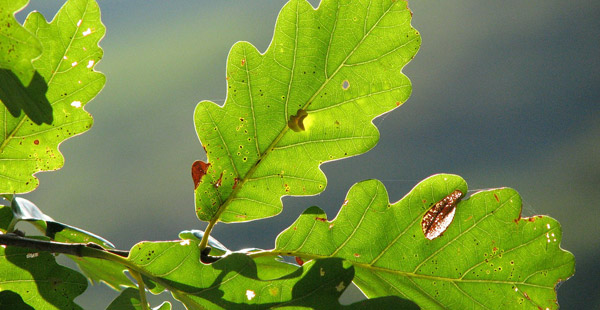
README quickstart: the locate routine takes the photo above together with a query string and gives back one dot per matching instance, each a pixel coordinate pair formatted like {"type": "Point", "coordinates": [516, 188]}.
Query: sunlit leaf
{"type": "Point", "coordinates": [309, 99]}
{"type": "Point", "coordinates": [95, 269]}
{"type": "Point", "coordinates": [21, 87]}
{"type": "Point", "coordinates": [488, 258]}
{"type": "Point", "coordinates": [129, 299]}
{"type": "Point", "coordinates": [39, 281]}
{"type": "Point", "coordinates": [18, 47]}
{"type": "Point", "coordinates": [235, 282]}
{"type": "Point", "coordinates": [69, 53]}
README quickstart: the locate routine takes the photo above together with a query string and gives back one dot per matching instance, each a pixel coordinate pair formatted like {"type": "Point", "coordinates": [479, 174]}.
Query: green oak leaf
{"type": "Point", "coordinates": [18, 46]}
{"type": "Point", "coordinates": [309, 99]}
{"type": "Point", "coordinates": [38, 280]}
{"type": "Point", "coordinates": [70, 52]}
{"type": "Point", "coordinates": [129, 299]}
{"type": "Point", "coordinates": [488, 258]}
{"type": "Point", "coordinates": [237, 282]}
{"type": "Point", "coordinates": [95, 269]}
{"type": "Point", "coordinates": [21, 87]}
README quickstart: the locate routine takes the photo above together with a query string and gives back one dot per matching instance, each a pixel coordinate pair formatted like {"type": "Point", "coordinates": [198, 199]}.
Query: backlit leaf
{"type": "Point", "coordinates": [69, 53]}
{"type": "Point", "coordinates": [237, 282]}
{"type": "Point", "coordinates": [488, 258]}
{"type": "Point", "coordinates": [18, 47]}
{"type": "Point", "coordinates": [38, 280]}
{"type": "Point", "coordinates": [309, 99]}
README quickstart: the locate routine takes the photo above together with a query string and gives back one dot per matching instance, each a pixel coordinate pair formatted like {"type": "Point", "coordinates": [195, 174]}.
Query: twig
{"type": "Point", "coordinates": [75, 249]}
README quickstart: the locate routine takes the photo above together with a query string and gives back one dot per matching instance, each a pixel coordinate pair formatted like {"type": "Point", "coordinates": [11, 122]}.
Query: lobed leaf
{"type": "Point", "coordinates": [40, 282]}
{"type": "Point", "coordinates": [67, 81]}
{"type": "Point", "coordinates": [488, 258]}
{"type": "Point", "coordinates": [236, 282]}
{"type": "Point", "coordinates": [309, 99]}
{"type": "Point", "coordinates": [18, 47]}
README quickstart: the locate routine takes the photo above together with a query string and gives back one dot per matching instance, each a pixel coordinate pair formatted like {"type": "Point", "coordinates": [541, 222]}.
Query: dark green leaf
{"type": "Point", "coordinates": [488, 258]}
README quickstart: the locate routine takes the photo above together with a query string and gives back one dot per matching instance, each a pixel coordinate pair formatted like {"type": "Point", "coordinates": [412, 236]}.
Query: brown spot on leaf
{"type": "Point", "coordinates": [496, 196]}
{"type": "Point", "coordinates": [243, 61]}
{"type": "Point", "coordinates": [320, 219]}
{"type": "Point", "coordinates": [219, 181]}
{"type": "Point", "coordinates": [296, 122]}
{"type": "Point", "coordinates": [199, 169]}
{"type": "Point", "coordinates": [299, 261]}
{"type": "Point", "coordinates": [36, 142]}
{"type": "Point", "coordinates": [438, 218]}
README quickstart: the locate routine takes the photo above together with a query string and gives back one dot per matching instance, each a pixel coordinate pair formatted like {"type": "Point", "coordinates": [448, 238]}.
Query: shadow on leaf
{"type": "Point", "coordinates": [12, 300]}
{"type": "Point", "coordinates": [31, 99]}
{"type": "Point", "coordinates": [316, 285]}
{"type": "Point", "coordinates": [44, 282]}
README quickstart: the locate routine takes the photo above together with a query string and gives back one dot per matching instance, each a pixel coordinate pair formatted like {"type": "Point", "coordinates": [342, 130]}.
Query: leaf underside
{"type": "Point", "coordinates": [488, 258]}
{"type": "Point", "coordinates": [63, 82]}
{"type": "Point", "coordinates": [309, 99]}
{"type": "Point", "coordinates": [95, 269]}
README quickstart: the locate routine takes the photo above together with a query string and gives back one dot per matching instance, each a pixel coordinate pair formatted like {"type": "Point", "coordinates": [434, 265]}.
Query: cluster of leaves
{"type": "Point", "coordinates": [309, 99]}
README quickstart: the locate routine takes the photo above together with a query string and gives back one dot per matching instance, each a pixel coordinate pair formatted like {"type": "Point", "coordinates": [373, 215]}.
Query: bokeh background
{"type": "Point", "coordinates": [505, 93]}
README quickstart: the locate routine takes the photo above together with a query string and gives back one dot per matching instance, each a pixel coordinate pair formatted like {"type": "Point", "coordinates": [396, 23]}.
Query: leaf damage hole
{"type": "Point", "coordinates": [250, 294]}
{"type": "Point", "coordinates": [345, 85]}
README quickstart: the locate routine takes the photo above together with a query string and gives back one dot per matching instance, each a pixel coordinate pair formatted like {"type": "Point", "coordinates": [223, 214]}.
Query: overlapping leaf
{"type": "Point", "coordinates": [40, 282]}
{"type": "Point", "coordinates": [95, 269]}
{"type": "Point", "coordinates": [488, 258]}
{"type": "Point", "coordinates": [236, 282]}
{"type": "Point", "coordinates": [66, 67]}
{"type": "Point", "coordinates": [310, 98]}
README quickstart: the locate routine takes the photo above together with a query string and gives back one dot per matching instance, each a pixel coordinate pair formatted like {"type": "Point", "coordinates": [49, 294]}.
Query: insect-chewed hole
{"type": "Point", "coordinates": [345, 85]}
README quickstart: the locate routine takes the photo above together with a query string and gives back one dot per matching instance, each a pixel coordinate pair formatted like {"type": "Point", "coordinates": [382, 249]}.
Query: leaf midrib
{"type": "Point", "coordinates": [286, 128]}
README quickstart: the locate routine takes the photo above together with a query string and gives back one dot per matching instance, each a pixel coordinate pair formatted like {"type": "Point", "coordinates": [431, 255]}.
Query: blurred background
{"type": "Point", "coordinates": [505, 93]}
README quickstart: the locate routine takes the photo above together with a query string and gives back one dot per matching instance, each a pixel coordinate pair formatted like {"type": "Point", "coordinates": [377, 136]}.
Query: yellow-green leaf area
{"type": "Point", "coordinates": [70, 52]}
{"type": "Point", "coordinates": [18, 47]}
{"type": "Point", "coordinates": [488, 258]}
{"type": "Point", "coordinates": [310, 98]}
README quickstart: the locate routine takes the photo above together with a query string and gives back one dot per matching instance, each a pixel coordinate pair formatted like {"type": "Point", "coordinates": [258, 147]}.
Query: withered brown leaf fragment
{"type": "Point", "coordinates": [441, 214]}
{"type": "Point", "coordinates": [199, 169]}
